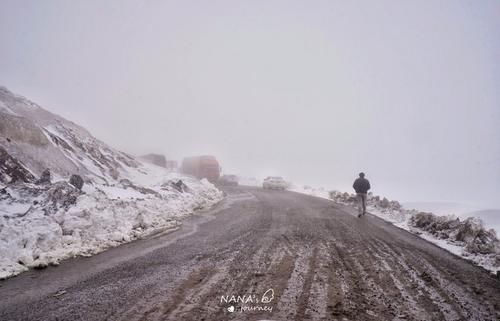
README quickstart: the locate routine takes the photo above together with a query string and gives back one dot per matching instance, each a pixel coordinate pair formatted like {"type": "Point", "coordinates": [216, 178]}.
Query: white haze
{"type": "Point", "coordinates": [315, 91]}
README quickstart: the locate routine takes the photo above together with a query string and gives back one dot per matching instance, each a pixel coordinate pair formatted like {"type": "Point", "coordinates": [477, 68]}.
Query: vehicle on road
{"type": "Point", "coordinates": [274, 182]}
{"type": "Point", "coordinates": [205, 166]}
{"type": "Point", "coordinates": [229, 180]}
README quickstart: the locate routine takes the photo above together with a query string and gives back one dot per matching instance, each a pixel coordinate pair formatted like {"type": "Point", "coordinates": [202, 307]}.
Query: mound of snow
{"type": "Point", "coordinates": [44, 224]}
{"type": "Point", "coordinates": [469, 232]}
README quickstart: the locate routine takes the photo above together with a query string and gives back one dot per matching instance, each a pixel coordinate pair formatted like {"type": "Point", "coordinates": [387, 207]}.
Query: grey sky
{"type": "Point", "coordinates": [407, 91]}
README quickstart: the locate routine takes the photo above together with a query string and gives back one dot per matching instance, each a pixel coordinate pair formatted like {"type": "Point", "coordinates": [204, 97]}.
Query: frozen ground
{"type": "Point", "coordinates": [462, 235]}
{"type": "Point", "coordinates": [42, 225]}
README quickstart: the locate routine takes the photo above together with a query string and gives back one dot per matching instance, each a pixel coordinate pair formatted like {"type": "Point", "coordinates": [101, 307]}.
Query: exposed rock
{"type": "Point", "coordinates": [11, 170]}
{"type": "Point", "coordinates": [59, 141]}
{"type": "Point", "coordinates": [179, 186]}
{"type": "Point", "coordinates": [45, 177]}
{"type": "Point", "coordinates": [422, 220]}
{"type": "Point", "coordinates": [470, 231]}
{"type": "Point", "coordinates": [384, 203]}
{"type": "Point", "coordinates": [114, 173]}
{"type": "Point", "coordinates": [61, 195]}
{"type": "Point", "coordinates": [144, 190]}
{"type": "Point", "coordinates": [395, 205]}
{"type": "Point", "coordinates": [76, 181]}
{"type": "Point", "coordinates": [343, 197]}
{"type": "Point", "coordinates": [21, 129]}
{"type": "Point", "coordinates": [477, 238]}
{"type": "Point", "coordinates": [426, 276]}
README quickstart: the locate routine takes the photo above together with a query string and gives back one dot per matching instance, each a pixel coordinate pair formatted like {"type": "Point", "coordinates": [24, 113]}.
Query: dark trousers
{"type": "Point", "coordinates": [362, 203]}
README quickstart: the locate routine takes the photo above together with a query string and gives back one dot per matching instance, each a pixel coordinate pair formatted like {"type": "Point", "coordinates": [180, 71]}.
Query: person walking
{"type": "Point", "coordinates": [361, 186]}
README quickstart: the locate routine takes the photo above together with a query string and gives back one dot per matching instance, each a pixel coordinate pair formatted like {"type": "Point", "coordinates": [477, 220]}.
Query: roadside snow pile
{"type": "Point", "coordinates": [470, 232]}
{"type": "Point", "coordinates": [44, 224]}
{"type": "Point", "coordinates": [467, 237]}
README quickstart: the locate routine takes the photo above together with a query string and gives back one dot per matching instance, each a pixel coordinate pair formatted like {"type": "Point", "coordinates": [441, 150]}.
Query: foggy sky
{"type": "Point", "coordinates": [315, 91]}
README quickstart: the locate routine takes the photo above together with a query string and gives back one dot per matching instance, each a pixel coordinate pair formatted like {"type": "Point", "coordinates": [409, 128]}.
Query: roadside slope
{"type": "Point", "coordinates": [64, 193]}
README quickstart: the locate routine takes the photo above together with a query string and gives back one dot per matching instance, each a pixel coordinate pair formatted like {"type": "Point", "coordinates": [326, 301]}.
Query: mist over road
{"type": "Point", "coordinates": [320, 261]}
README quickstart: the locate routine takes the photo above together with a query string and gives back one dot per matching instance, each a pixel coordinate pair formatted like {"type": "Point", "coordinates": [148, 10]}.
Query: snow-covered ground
{"type": "Point", "coordinates": [489, 216]}
{"type": "Point", "coordinates": [461, 235]}
{"type": "Point", "coordinates": [42, 225]}
{"type": "Point", "coordinates": [44, 218]}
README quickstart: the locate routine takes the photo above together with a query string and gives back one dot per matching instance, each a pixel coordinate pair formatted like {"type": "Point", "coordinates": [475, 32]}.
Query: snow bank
{"type": "Point", "coordinates": [42, 225]}
{"type": "Point", "coordinates": [465, 237]}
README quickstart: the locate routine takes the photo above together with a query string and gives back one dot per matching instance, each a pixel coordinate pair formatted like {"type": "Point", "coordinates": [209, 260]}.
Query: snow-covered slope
{"type": "Point", "coordinates": [43, 221]}
{"type": "Point", "coordinates": [40, 139]}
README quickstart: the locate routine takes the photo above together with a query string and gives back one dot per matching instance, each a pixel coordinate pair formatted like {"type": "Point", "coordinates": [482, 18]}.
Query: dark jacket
{"type": "Point", "coordinates": [361, 185]}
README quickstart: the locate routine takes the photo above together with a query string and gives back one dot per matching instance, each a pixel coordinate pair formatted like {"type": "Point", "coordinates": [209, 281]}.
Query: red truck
{"type": "Point", "coordinates": [205, 166]}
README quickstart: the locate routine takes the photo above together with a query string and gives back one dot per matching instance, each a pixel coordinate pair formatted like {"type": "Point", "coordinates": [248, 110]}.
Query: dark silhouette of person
{"type": "Point", "coordinates": [361, 186]}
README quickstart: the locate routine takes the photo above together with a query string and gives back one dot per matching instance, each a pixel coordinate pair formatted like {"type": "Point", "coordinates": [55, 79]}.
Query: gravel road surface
{"type": "Point", "coordinates": [262, 255]}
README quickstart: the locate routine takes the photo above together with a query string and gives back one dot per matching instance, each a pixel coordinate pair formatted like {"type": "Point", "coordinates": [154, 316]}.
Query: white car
{"type": "Point", "coordinates": [275, 182]}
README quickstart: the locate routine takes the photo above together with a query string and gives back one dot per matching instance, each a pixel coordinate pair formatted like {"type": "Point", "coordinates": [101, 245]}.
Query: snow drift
{"type": "Point", "coordinates": [45, 213]}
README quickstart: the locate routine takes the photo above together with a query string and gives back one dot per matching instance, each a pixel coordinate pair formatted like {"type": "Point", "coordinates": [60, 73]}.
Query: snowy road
{"type": "Point", "coordinates": [321, 262]}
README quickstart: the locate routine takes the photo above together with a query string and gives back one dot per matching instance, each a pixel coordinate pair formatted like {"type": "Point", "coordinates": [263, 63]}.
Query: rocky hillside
{"type": "Point", "coordinates": [65, 193]}
{"type": "Point", "coordinates": [39, 139]}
